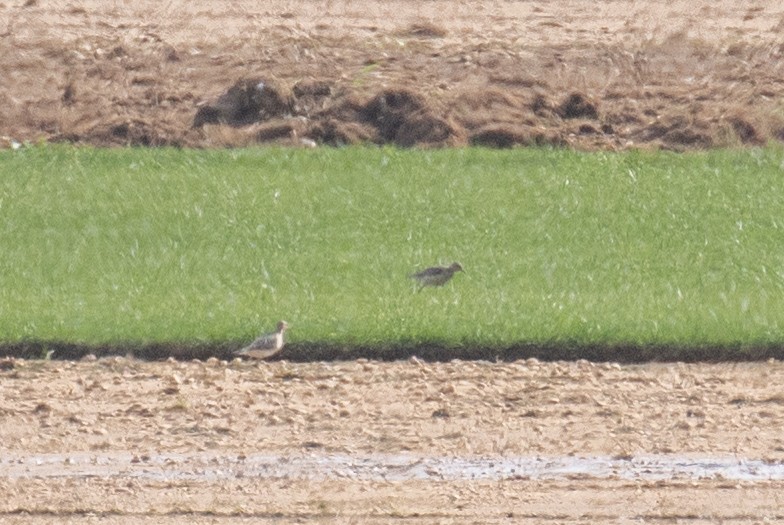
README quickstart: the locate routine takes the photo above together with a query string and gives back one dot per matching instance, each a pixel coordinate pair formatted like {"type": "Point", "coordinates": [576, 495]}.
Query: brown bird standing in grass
{"type": "Point", "coordinates": [265, 346]}
{"type": "Point", "coordinates": [437, 275]}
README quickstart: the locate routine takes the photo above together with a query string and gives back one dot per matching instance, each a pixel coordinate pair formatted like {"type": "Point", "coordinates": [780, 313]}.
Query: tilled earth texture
{"type": "Point", "coordinates": [606, 75]}
{"type": "Point", "coordinates": [116, 440]}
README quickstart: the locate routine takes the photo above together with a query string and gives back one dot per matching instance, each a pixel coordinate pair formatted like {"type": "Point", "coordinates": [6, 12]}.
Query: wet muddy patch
{"type": "Point", "coordinates": [393, 467]}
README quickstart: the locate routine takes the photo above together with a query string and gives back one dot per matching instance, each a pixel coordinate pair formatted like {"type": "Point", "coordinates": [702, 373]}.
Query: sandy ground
{"type": "Point", "coordinates": [175, 441]}
{"type": "Point", "coordinates": [593, 75]}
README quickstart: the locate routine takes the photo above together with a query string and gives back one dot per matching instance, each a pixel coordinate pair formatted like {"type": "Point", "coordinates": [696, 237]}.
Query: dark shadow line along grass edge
{"type": "Point", "coordinates": [627, 353]}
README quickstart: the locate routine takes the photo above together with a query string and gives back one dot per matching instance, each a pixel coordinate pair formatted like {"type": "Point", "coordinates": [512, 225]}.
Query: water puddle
{"type": "Point", "coordinates": [380, 467]}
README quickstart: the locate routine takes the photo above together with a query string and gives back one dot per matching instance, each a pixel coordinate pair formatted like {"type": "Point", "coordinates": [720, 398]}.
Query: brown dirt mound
{"type": "Point", "coordinates": [431, 74]}
{"type": "Point", "coordinates": [246, 102]}
{"type": "Point", "coordinates": [577, 105]}
{"type": "Point", "coordinates": [397, 116]}
{"type": "Point", "coordinates": [404, 117]}
{"type": "Point", "coordinates": [391, 109]}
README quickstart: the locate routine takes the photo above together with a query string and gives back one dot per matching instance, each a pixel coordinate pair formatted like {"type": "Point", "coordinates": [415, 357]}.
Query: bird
{"type": "Point", "coordinates": [436, 275]}
{"type": "Point", "coordinates": [265, 346]}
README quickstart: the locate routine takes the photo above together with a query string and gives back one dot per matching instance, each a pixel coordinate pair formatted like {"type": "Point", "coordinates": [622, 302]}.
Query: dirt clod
{"type": "Point", "coordinates": [246, 102]}
{"type": "Point", "coordinates": [577, 105]}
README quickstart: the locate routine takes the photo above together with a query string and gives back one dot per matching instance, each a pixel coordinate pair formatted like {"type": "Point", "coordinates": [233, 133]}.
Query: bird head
{"type": "Point", "coordinates": [455, 267]}
{"type": "Point", "coordinates": [282, 326]}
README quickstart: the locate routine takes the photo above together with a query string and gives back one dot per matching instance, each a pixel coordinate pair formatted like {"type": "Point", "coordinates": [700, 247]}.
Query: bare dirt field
{"type": "Point", "coordinates": [126, 441]}
{"type": "Point", "coordinates": [122, 441]}
{"type": "Point", "coordinates": [592, 75]}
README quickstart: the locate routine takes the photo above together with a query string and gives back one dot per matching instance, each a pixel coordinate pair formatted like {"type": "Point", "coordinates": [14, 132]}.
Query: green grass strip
{"type": "Point", "coordinates": [162, 245]}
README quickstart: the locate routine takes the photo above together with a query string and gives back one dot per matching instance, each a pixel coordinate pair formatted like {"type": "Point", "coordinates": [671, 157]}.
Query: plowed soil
{"type": "Point", "coordinates": [592, 75]}
{"type": "Point", "coordinates": [167, 440]}
{"type": "Point", "coordinates": [128, 441]}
